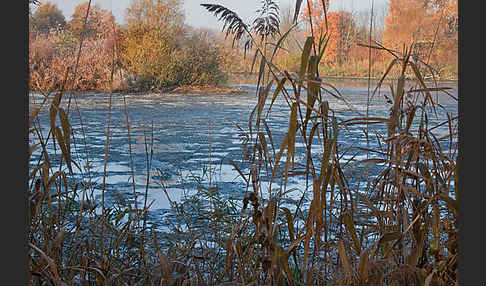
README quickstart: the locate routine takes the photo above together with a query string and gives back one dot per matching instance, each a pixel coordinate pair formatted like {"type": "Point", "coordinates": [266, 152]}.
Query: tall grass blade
{"type": "Point", "coordinates": [33, 114]}
{"type": "Point", "coordinates": [238, 170]}
{"type": "Point", "coordinates": [305, 57]}
{"type": "Point", "coordinates": [278, 89]}
{"type": "Point", "coordinates": [64, 150]}
{"type": "Point", "coordinates": [348, 222]}
{"type": "Point", "coordinates": [292, 133]}
{"type": "Point", "coordinates": [344, 258]}
{"type": "Point", "coordinates": [298, 3]}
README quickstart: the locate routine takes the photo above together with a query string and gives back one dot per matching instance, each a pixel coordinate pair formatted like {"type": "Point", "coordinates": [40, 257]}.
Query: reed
{"type": "Point", "coordinates": [399, 229]}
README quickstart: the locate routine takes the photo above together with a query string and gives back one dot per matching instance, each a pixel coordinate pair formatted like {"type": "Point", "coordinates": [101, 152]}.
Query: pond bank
{"type": "Point", "coordinates": [207, 89]}
{"type": "Point", "coordinates": [187, 89]}
{"type": "Point", "coordinates": [342, 81]}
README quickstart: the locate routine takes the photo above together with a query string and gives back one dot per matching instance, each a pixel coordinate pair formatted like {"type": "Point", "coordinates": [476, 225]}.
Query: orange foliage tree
{"type": "Point", "coordinates": [47, 17]}
{"type": "Point", "coordinates": [314, 13]}
{"type": "Point", "coordinates": [52, 53]}
{"type": "Point", "coordinates": [99, 23]}
{"type": "Point", "coordinates": [341, 28]}
{"type": "Point", "coordinates": [448, 41]}
{"type": "Point", "coordinates": [408, 21]}
{"type": "Point", "coordinates": [431, 25]}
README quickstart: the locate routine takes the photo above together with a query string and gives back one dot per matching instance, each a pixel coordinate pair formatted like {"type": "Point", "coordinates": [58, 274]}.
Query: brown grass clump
{"type": "Point", "coordinates": [50, 55]}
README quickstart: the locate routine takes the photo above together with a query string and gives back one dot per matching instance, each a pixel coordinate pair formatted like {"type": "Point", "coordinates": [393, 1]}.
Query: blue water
{"type": "Point", "coordinates": [183, 136]}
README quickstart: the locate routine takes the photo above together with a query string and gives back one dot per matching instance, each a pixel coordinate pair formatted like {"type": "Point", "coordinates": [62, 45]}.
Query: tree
{"type": "Point", "coordinates": [430, 25]}
{"type": "Point", "coordinates": [317, 15]}
{"type": "Point", "coordinates": [288, 58]}
{"type": "Point", "coordinates": [100, 22]}
{"type": "Point", "coordinates": [346, 32]}
{"type": "Point", "coordinates": [158, 50]}
{"type": "Point", "coordinates": [340, 28]}
{"type": "Point", "coordinates": [408, 21]}
{"type": "Point", "coordinates": [418, 20]}
{"type": "Point", "coordinates": [153, 33]}
{"type": "Point", "coordinates": [199, 59]}
{"type": "Point", "coordinates": [447, 38]}
{"type": "Point", "coordinates": [47, 17]}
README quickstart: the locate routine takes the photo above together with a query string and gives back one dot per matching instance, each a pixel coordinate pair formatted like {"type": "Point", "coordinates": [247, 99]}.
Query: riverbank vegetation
{"type": "Point", "coordinates": [395, 223]}
{"type": "Point", "coordinates": [155, 49]}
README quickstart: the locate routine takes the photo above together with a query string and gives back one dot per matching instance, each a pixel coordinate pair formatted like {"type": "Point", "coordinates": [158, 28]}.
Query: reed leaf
{"type": "Point", "coordinates": [50, 262]}
{"type": "Point", "coordinates": [269, 133]}
{"type": "Point", "coordinates": [32, 148]}
{"type": "Point", "coordinates": [323, 42]}
{"type": "Point", "coordinates": [387, 237]}
{"type": "Point", "coordinates": [284, 262]}
{"type": "Point", "coordinates": [313, 87]}
{"type": "Point", "coordinates": [375, 211]}
{"type": "Point", "coordinates": [298, 3]}
{"type": "Point", "coordinates": [261, 72]}
{"type": "Point", "coordinates": [364, 266]}
{"type": "Point", "coordinates": [344, 258]}
{"type": "Point", "coordinates": [451, 203]}
{"type": "Point", "coordinates": [33, 114]}
{"type": "Point", "coordinates": [280, 40]}
{"type": "Point", "coordinates": [262, 98]}
{"type": "Point", "coordinates": [417, 73]}
{"type": "Point", "coordinates": [232, 22]}
{"type": "Point", "coordinates": [388, 69]}
{"type": "Point", "coordinates": [350, 227]}
{"type": "Point", "coordinates": [292, 133]}
{"type": "Point", "coordinates": [263, 143]}
{"type": "Point", "coordinates": [305, 57]}
{"type": "Point", "coordinates": [238, 170]}
{"type": "Point", "coordinates": [64, 150]}
{"type": "Point", "coordinates": [309, 148]}
{"type": "Point", "coordinates": [290, 223]}
{"type": "Point", "coordinates": [53, 112]}
{"type": "Point", "coordinates": [397, 101]}
{"type": "Point", "coordinates": [66, 129]}
{"type": "Point", "coordinates": [276, 92]}
{"type": "Point", "coordinates": [54, 177]}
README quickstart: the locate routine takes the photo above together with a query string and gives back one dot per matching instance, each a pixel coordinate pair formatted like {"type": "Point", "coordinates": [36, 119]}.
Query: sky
{"type": "Point", "coordinates": [197, 16]}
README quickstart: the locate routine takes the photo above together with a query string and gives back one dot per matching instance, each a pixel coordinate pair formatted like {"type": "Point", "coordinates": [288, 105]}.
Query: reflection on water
{"type": "Point", "coordinates": [184, 141]}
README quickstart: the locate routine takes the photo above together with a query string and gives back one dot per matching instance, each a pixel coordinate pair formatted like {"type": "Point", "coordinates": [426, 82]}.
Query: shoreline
{"type": "Point", "coordinates": [182, 90]}
{"type": "Point", "coordinates": [251, 77]}
{"type": "Point", "coordinates": [227, 89]}
{"type": "Point", "coordinates": [207, 89]}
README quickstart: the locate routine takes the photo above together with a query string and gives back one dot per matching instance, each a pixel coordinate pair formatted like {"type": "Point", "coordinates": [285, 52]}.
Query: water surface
{"type": "Point", "coordinates": [176, 139]}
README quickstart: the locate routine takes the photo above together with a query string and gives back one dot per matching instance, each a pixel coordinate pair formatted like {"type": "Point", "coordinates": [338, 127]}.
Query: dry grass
{"type": "Point", "coordinates": [50, 55]}
{"type": "Point", "coordinates": [401, 230]}
{"type": "Point", "coordinates": [206, 89]}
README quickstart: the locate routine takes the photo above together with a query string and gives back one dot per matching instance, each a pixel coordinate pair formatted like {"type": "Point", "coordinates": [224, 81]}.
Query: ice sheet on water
{"type": "Point", "coordinates": [182, 127]}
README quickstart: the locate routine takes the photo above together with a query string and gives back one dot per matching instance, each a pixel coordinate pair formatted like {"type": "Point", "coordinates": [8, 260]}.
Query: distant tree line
{"type": "Point", "coordinates": [428, 27]}
{"type": "Point", "coordinates": [155, 49]}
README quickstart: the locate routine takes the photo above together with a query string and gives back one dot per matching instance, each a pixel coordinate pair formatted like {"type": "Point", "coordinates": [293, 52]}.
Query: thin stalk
{"type": "Point", "coordinates": [107, 151]}
{"type": "Point", "coordinates": [209, 142]}
{"type": "Point", "coordinates": [130, 155]}
{"type": "Point", "coordinates": [369, 81]}
{"type": "Point", "coordinates": [311, 25]}
{"type": "Point", "coordinates": [145, 210]}
{"type": "Point", "coordinates": [79, 55]}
